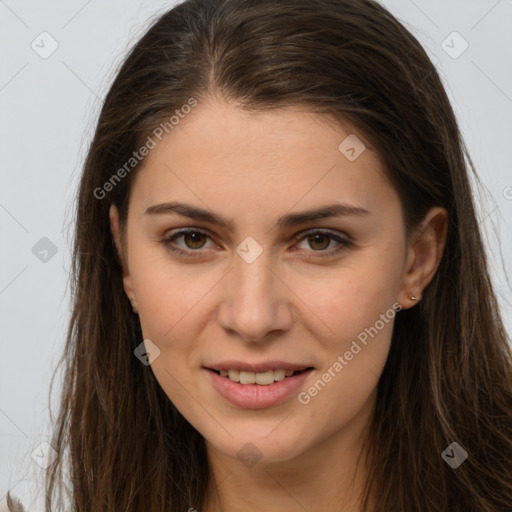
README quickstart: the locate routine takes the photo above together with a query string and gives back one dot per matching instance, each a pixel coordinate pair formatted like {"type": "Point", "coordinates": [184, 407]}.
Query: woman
{"type": "Point", "coordinates": [281, 296]}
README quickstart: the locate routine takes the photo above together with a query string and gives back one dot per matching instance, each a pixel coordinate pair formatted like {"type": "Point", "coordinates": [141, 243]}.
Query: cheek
{"type": "Point", "coordinates": [168, 294]}
{"type": "Point", "coordinates": [352, 298]}
{"type": "Point", "coordinates": [350, 371]}
{"type": "Point", "coordinates": [357, 308]}
{"type": "Point", "coordinates": [168, 309]}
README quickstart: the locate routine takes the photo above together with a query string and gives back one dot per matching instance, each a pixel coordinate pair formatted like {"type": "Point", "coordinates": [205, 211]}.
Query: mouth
{"type": "Point", "coordinates": [258, 386]}
{"type": "Point", "coordinates": [265, 378]}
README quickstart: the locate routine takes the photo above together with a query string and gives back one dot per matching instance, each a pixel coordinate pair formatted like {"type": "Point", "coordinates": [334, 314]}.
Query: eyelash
{"type": "Point", "coordinates": [167, 242]}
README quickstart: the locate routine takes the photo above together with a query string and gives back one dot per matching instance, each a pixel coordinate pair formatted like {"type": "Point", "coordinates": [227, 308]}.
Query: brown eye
{"type": "Point", "coordinates": [192, 239]}
{"type": "Point", "coordinates": [320, 240]}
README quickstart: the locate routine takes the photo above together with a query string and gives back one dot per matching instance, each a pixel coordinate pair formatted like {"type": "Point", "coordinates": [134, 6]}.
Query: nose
{"type": "Point", "coordinates": [255, 301]}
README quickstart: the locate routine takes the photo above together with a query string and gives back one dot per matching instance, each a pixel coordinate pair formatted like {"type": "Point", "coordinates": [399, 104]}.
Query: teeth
{"type": "Point", "coordinates": [234, 375]}
{"type": "Point", "coordinates": [248, 377]}
{"type": "Point", "coordinates": [281, 374]}
{"type": "Point", "coordinates": [262, 378]}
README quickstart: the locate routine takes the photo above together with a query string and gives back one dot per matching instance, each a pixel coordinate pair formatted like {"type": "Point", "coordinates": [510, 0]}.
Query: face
{"type": "Point", "coordinates": [251, 289]}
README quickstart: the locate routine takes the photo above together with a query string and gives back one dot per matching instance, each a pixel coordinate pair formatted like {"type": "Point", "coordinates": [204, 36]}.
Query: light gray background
{"type": "Point", "coordinates": [48, 110]}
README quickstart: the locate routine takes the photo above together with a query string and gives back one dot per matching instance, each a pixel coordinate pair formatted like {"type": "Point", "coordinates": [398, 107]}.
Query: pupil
{"type": "Point", "coordinates": [320, 236]}
{"type": "Point", "coordinates": [195, 238]}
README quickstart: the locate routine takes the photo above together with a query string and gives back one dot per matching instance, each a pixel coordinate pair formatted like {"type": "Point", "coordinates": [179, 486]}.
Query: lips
{"type": "Point", "coordinates": [257, 385]}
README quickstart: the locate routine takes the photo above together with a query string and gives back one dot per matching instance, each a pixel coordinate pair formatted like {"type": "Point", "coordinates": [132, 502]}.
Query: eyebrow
{"type": "Point", "coordinates": [289, 220]}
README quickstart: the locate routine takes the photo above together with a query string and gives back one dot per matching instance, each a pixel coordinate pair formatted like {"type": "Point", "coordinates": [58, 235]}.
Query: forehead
{"type": "Point", "coordinates": [220, 155]}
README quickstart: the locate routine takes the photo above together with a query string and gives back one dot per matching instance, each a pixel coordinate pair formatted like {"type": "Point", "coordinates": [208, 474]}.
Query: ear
{"type": "Point", "coordinates": [120, 247]}
{"type": "Point", "coordinates": [424, 252]}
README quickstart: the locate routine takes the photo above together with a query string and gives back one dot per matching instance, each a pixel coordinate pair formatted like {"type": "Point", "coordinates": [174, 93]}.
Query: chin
{"type": "Point", "coordinates": [253, 449]}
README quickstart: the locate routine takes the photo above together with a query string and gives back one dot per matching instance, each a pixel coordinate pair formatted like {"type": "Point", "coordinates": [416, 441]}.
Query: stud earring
{"type": "Point", "coordinates": [412, 297]}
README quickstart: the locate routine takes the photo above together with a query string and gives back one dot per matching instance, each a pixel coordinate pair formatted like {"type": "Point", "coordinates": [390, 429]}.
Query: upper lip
{"type": "Point", "coordinates": [257, 367]}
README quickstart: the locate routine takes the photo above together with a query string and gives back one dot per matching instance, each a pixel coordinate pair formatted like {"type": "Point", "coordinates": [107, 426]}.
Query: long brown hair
{"type": "Point", "coordinates": [448, 377]}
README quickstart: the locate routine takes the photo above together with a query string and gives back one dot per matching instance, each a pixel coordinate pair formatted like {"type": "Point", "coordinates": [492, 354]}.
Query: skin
{"type": "Point", "coordinates": [290, 305]}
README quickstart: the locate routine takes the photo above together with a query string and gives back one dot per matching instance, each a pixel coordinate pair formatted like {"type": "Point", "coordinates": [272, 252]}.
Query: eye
{"type": "Point", "coordinates": [319, 240]}
{"type": "Point", "coordinates": [194, 240]}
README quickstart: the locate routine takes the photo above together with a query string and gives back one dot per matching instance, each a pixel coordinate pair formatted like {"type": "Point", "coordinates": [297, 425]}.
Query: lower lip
{"type": "Point", "coordinates": [255, 396]}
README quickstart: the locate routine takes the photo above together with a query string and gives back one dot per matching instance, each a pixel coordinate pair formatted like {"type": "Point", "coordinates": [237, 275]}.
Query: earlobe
{"type": "Point", "coordinates": [116, 236]}
{"type": "Point", "coordinates": [426, 249]}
